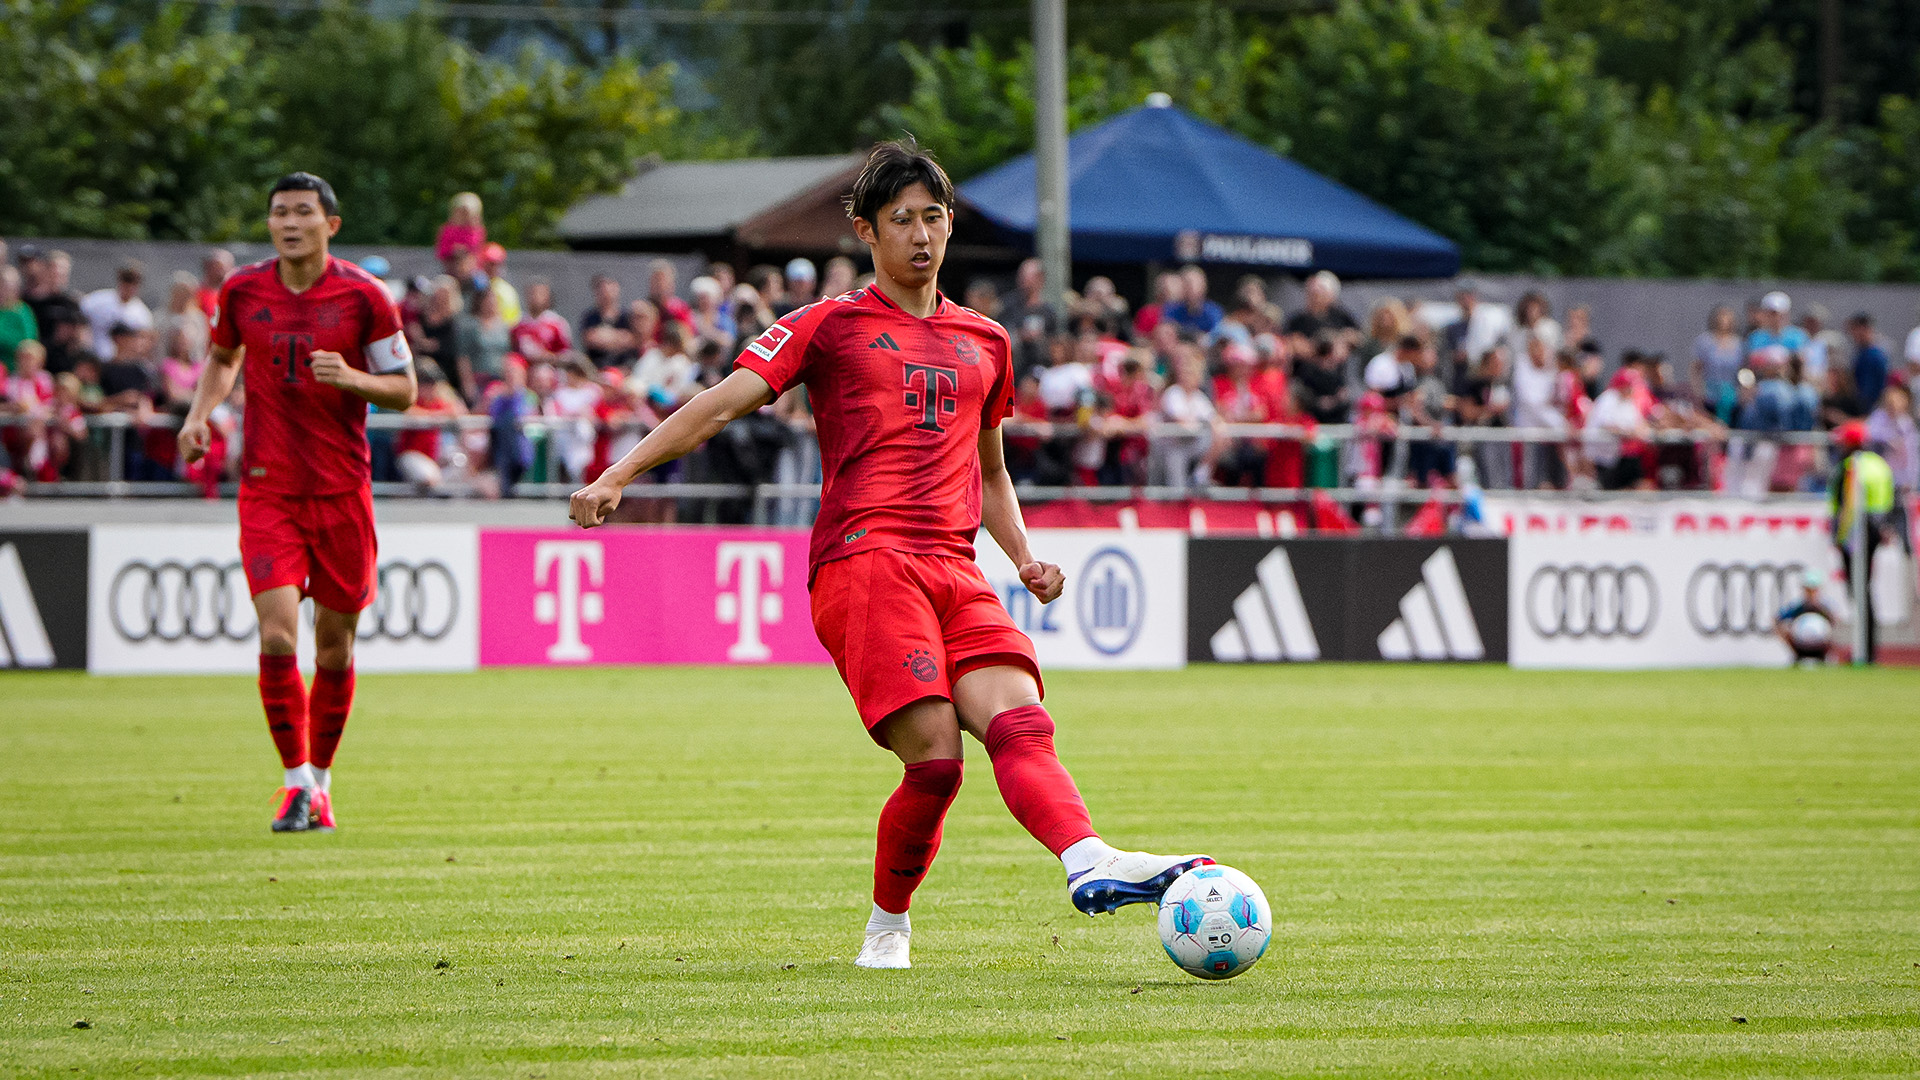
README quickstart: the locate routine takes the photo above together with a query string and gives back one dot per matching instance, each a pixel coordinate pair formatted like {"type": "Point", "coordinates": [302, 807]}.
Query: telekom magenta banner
{"type": "Point", "coordinates": [636, 595]}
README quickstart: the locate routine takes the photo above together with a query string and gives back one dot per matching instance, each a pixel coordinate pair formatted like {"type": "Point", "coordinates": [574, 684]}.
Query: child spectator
{"type": "Point", "coordinates": [463, 231]}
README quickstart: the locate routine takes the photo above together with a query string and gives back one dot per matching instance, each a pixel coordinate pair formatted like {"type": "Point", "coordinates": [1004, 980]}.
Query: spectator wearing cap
{"type": "Point", "coordinates": [1616, 432]}
{"type": "Point", "coordinates": [542, 334]}
{"type": "Point", "coordinates": [1774, 330]}
{"type": "Point", "coordinates": [215, 267]}
{"type": "Point", "coordinates": [1860, 499]}
{"type": "Point", "coordinates": [465, 230]}
{"type": "Point", "coordinates": [506, 299]}
{"type": "Point", "coordinates": [118, 306]}
{"type": "Point", "coordinates": [17, 323]}
{"type": "Point", "coordinates": [802, 282]}
{"type": "Point", "coordinates": [1195, 312]}
{"type": "Point", "coordinates": [1870, 362]}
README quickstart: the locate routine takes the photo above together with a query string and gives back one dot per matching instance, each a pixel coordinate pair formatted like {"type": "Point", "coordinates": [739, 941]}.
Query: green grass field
{"type": "Point", "coordinates": [664, 873]}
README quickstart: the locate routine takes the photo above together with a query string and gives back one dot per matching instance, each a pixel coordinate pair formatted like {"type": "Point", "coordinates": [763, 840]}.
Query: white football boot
{"type": "Point", "coordinates": [885, 949]}
{"type": "Point", "coordinates": [1128, 877]}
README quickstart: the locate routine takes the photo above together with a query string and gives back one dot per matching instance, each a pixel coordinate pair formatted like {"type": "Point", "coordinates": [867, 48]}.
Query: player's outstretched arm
{"type": "Point", "coordinates": [678, 435]}
{"type": "Point", "coordinates": [1000, 513]}
{"type": "Point", "coordinates": [216, 382]}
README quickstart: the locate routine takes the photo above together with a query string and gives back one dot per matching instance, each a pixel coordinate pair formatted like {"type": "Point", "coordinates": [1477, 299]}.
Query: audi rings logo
{"type": "Point", "coordinates": [1600, 601]}
{"type": "Point", "coordinates": [412, 603]}
{"type": "Point", "coordinates": [1739, 599]}
{"type": "Point", "coordinates": [207, 601]}
{"type": "Point", "coordinates": [174, 601]}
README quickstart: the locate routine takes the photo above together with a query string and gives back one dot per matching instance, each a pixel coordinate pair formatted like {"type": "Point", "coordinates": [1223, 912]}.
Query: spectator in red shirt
{"type": "Point", "coordinates": [1168, 291]}
{"type": "Point", "coordinates": [417, 450]}
{"type": "Point", "coordinates": [542, 334]}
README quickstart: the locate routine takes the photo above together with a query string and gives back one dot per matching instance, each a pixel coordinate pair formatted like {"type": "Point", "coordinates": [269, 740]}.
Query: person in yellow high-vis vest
{"type": "Point", "coordinates": [1874, 477]}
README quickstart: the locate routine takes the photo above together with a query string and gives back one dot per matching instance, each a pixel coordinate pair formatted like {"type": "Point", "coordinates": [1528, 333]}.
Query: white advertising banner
{"type": "Point", "coordinates": [1125, 604]}
{"type": "Point", "coordinates": [1608, 600]}
{"type": "Point", "coordinates": [173, 599]}
{"type": "Point", "coordinates": [1518, 515]}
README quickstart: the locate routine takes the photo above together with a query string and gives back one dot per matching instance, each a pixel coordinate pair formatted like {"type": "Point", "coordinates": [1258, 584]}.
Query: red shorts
{"type": "Point", "coordinates": [902, 627]}
{"type": "Point", "coordinates": [322, 545]}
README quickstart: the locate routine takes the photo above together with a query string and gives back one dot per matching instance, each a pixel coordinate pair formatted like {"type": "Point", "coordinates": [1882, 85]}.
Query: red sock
{"type": "Point", "coordinates": [910, 831]}
{"type": "Point", "coordinates": [283, 694]}
{"type": "Point", "coordinates": [1034, 784]}
{"type": "Point", "coordinates": [332, 701]}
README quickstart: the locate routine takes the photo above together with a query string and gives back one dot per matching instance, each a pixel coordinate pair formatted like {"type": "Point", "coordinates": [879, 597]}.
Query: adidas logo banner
{"type": "Point", "coordinates": [1387, 598]}
{"type": "Point", "coordinates": [43, 599]}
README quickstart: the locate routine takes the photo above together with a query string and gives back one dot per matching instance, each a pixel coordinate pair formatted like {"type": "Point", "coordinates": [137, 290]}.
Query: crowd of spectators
{"type": "Point", "coordinates": [1107, 394]}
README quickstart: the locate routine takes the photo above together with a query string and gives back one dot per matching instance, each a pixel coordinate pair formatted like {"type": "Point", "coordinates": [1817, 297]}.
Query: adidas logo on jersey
{"type": "Point", "coordinates": [1435, 622]}
{"type": "Point", "coordinates": [884, 341]}
{"type": "Point", "coordinates": [264, 315]}
{"type": "Point", "coordinates": [1269, 619]}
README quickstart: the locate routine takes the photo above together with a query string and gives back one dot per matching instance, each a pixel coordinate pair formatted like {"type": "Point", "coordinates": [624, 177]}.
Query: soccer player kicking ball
{"type": "Point", "coordinates": [908, 389]}
{"type": "Point", "coordinates": [318, 338]}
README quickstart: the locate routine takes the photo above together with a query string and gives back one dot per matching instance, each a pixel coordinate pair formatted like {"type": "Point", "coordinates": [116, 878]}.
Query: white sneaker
{"type": "Point", "coordinates": [885, 949]}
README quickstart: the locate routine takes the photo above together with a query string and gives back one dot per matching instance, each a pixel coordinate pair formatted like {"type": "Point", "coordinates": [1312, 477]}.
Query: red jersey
{"type": "Point", "coordinates": [900, 403]}
{"type": "Point", "coordinates": [302, 437]}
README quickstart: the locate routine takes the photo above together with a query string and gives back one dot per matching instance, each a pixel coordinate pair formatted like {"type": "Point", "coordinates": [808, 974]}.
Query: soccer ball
{"type": "Point", "coordinates": [1811, 630]}
{"type": "Point", "coordinates": [1214, 922]}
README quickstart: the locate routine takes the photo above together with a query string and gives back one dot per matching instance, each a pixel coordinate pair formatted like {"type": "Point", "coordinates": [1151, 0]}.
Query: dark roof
{"type": "Point", "coordinates": [699, 198]}
{"type": "Point", "coordinates": [1156, 184]}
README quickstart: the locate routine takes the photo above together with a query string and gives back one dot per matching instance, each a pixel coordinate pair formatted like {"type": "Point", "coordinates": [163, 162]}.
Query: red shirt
{"type": "Point", "coordinates": [302, 437]}
{"type": "Point", "coordinates": [900, 403]}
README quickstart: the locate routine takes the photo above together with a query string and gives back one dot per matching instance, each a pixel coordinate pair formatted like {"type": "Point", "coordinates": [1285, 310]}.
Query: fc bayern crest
{"type": "Point", "coordinates": [964, 349]}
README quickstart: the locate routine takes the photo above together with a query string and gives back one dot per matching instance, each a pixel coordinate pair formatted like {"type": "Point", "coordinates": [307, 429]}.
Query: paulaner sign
{"type": "Point", "coordinates": [1261, 250]}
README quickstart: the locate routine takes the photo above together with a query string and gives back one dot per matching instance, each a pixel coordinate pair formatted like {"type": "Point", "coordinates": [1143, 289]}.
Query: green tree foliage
{"type": "Point", "coordinates": [1512, 142]}
{"type": "Point", "coordinates": [172, 135]}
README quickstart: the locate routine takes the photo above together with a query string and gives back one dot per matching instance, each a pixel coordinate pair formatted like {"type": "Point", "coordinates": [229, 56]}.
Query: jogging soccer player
{"type": "Point", "coordinates": [908, 391]}
{"type": "Point", "coordinates": [318, 339]}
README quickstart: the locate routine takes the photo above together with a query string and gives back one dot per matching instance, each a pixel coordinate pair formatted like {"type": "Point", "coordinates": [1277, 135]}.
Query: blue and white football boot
{"type": "Point", "coordinates": [1128, 877]}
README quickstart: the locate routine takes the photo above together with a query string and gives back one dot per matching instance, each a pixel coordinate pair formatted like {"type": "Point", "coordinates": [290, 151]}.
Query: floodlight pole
{"type": "Point", "coordinates": [1050, 147]}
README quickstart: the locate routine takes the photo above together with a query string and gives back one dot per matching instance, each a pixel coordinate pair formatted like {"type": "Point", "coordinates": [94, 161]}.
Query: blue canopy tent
{"type": "Point", "coordinates": [1157, 185]}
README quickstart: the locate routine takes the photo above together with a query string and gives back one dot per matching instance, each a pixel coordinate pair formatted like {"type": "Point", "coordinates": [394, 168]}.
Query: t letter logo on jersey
{"type": "Point", "coordinates": [937, 396]}
{"type": "Point", "coordinates": [769, 343]}
{"type": "Point", "coordinates": [747, 605]}
{"type": "Point", "coordinates": [568, 606]}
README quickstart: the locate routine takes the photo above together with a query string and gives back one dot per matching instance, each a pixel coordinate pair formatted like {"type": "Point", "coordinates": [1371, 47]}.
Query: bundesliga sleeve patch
{"type": "Point", "coordinates": [767, 345]}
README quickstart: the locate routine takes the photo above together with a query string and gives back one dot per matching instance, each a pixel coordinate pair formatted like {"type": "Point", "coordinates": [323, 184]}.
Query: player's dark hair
{"type": "Point", "coordinates": [892, 168]}
{"type": "Point", "coordinates": [306, 181]}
